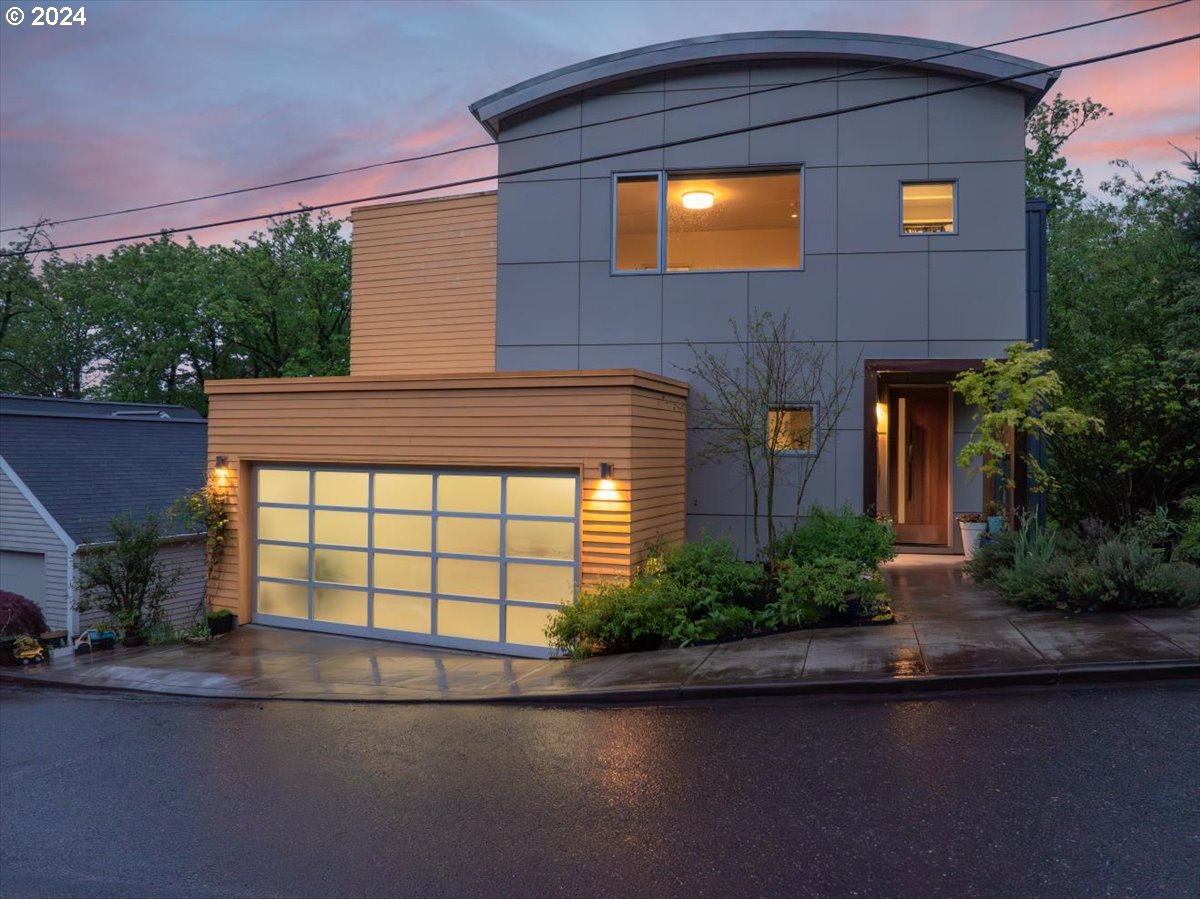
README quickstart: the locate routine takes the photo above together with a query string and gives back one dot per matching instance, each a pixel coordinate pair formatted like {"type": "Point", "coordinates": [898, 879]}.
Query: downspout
{"type": "Point", "coordinates": [1037, 330]}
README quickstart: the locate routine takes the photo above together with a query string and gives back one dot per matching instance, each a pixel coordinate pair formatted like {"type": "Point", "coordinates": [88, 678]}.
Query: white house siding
{"type": "Point", "coordinates": [22, 529]}
{"type": "Point", "coordinates": [186, 557]}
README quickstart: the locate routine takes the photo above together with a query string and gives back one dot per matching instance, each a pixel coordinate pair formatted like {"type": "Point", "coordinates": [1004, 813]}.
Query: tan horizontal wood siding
{"type": "Point", "coordinates": [569, 421]}
{"type": "Point", "coordinates": [423, 284]}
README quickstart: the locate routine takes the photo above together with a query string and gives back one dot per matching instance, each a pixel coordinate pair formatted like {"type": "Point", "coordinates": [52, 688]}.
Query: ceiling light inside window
{"type": "Point", "coordinates": [697, 200]}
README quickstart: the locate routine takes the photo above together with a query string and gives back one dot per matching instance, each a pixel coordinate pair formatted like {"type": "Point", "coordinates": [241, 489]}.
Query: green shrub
{"type": "Point", "coordinates": [709, 573]}
{"type": "Point", "coordinates": [811, 592]}
{"type": "Point", "coordinates": [992, 557]}
{"type": "Point", "coordinates": [1175, 583]}
{"type": "Point", "coordinates": [618, 618]}
{"type": "Point", "coordinates": [692, 592]}
{"type": "Point", "coordinates": [1187, 547]}
{"type": "Point", "coordinates": [1126, 566]}
{"type": "Point", "coordinates": [841, 533]}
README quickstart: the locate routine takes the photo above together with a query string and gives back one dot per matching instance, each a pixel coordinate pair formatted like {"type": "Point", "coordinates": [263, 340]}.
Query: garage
{"type": "Point", "coordinates": [472, 559]}
{"type": "Point", "coordinates": [24, 574]}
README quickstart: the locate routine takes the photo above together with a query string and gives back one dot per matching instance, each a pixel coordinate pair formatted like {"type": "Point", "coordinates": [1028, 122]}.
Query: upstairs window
{"type": "Point", "coordinates": [790, 429]}
{"type": "Point", "coordinates": [928, 207]}
{"type": "Point", "coordinates": [707, 222]}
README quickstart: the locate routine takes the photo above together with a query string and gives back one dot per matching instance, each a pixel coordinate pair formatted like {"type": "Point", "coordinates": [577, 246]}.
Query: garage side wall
{"type": "Point", "coordinates": [424, 285]}
{"type": "Point", "coordinates": [23, 530]}
{"type": "Point", "coordinates": [559, 421]}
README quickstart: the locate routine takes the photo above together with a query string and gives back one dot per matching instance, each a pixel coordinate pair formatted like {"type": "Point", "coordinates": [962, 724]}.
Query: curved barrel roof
{"type": "Point", "coordinates": [758, 45]}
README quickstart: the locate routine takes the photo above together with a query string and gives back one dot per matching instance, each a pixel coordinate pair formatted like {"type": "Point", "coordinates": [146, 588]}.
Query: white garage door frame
{"type": "Point", "coordinates": [432, 638]}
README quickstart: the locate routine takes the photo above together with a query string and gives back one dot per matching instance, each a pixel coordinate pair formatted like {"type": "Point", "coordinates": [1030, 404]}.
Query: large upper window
{"type": "Point", "coordinates": [928, 207]}
{"type": "Point", "coordinates": [747, 220]}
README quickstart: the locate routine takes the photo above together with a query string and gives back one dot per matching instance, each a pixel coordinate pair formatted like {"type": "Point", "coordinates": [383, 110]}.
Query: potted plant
{"type": "Point", "coordinates": [971, 527]}
{"type": "Point", "coordinates": [995, 518]}
{"type": "Point", "coordinates": [221, 621]}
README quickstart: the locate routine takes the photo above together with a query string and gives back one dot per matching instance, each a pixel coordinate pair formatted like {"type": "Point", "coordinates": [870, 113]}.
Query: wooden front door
{"type": "Point", "coordinates": [919, 461]}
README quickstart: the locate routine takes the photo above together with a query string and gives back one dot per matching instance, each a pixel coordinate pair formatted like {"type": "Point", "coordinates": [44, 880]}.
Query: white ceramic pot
{"type": "Point", "coordinates": [971, 533]}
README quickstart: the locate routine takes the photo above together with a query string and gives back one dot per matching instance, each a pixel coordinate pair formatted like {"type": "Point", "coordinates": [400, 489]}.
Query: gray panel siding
{"type": "Point", "coordinates": [23, 530]}
{"type": "Point", "coordinates": [871, 291]}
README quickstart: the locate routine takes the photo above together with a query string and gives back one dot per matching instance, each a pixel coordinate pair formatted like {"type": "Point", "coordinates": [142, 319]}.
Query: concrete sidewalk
{"type": "Point", "coordinates": [948, 633]}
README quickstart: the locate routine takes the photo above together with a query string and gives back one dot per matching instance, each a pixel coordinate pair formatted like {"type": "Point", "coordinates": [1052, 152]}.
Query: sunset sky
{"type": "Point", "coordinates": [154, 101]}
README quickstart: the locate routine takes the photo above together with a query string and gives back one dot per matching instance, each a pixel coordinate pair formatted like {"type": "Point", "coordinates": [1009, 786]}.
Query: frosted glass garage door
{"type": "Point", "coordinates": [465, 559]}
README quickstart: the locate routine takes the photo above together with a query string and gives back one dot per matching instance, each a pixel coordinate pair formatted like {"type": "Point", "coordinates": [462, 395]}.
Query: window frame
{"type": "Point", "coordinates": [953, 182]}
{"type": "Point", "coordinates": [793, 406]}
{"type": "Point", "coordinates": [664, 176]}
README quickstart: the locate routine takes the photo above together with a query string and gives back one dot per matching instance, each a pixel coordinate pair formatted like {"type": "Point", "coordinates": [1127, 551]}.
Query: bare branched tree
{"type": "Point", "coordinates": [771, 369]}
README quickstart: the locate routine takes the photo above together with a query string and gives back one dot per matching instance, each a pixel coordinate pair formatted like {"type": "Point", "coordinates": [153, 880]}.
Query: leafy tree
{"type": "Point", "coordinates": [771, 367]}
{"type": "Point", "coordinates": [1124, 320]}
{"type": "Point", "coordinates": [287, 302]}
{"type": "Point", "coordinates": [125, 578]}
{"type": "Point", "coordinates": [1020, 394]}
{"type": "Point", "coordinates": [1048, 128]}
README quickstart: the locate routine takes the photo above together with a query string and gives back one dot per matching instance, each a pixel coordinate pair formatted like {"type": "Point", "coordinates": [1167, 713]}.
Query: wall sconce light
{"type": "Point", "coordinates": [606, 471]}
{"type": "Point", "coordinates": [220, 473]}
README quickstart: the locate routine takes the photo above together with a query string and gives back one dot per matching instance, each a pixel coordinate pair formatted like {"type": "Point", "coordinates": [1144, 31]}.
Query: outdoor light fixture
{"type": "Point", "coordinates": [220, 473]}
{"type": "Point", "coordinates": [697, 200]}
{"type": "Point", "coordinates": [606, 471]}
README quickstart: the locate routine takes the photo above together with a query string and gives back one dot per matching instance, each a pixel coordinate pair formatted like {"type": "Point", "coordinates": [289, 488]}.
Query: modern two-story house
{"type": "Point", "coordinates": [516, 420]}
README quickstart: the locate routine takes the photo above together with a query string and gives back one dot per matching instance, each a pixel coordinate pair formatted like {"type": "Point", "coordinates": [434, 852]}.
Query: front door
{"type": "Point", "coordinates": [919, 461]}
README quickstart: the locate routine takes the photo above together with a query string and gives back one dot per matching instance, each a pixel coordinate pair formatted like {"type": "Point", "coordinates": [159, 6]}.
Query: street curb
{"type": "Point", "coordinates": [1045, 676]}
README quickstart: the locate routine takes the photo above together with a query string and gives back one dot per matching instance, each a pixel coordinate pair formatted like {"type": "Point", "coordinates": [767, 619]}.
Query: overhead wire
{"type": "Point", "coordinates": [438, 154]}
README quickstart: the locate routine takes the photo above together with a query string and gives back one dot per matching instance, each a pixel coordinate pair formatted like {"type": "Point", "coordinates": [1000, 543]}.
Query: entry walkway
{"type": "Point", "coordinates": [948, 633]}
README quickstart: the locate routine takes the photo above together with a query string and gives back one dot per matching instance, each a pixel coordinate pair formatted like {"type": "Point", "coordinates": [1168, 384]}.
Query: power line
{"type": "Point", "coordinates": [442, 153]}
{"type": "Point", "coordinates": [1043, 70]}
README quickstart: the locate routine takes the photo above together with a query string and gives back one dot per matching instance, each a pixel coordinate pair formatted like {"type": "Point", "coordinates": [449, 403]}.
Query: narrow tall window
{"type": "Point", "coordinates": [707, 222]}
{"type": "Point", "coordinates": [636, 237]}
{"type": "Point", "coordinates": [790, 429]}
{"type": "Point", "coordinates": [928, 207]}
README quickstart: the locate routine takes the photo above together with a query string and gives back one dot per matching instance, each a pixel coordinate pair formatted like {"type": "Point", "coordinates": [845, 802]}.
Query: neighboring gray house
{"type": "Point", "coordinates": [896, 234]}
{"type": "Point", "coordinates": [67, 467]}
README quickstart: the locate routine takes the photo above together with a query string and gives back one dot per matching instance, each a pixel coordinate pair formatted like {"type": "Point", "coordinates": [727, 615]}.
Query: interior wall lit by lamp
{"type": "Point", "coordinates": [697, 200]}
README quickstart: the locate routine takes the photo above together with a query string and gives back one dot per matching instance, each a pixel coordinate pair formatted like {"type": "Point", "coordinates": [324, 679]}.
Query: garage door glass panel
{"type": "Point", "coordinates": [289, 600]}
{"type": "Point", "coordinates": [541, 496]}
{"type": "Point", "coordinates": [463, 557]}
{"type": "Point", "coordinates": [340, 606]}
{"type": "Point", "coordinates": [342, 489]}
{"type": "Point", "coordinates": [348, 529]}
{"type": "Point", "coordinates": [468, 578]}
{"type": "Point", "coordinates": [396, 490]}
{"type": "Point", "coordinates": [398, 613]}
{"type": "Point", "coordinates": [461, 618]}
{"type": "Point", "coordinates": [468, 493]}
{"type": "Point", "coordinates": [527, 625]}
{"type": "Point", "coordinates": [340, 566]}
{"type": "Point", "coordinates": [540, 540]}
{"type": "Point", "coordinates": [276, 523]}
{"type": "Point", "coordinates": [540, 584]}
{"type": "Point", "coordinates": [283, 486]}
{"type": "Point", "coordinates": [275, 561]}
{"type": "Point", "coordinates": [477, 537]}
{"type": "Point", "coordinates": [397, 532]}
{"type": "Point", "coordinates": [403, 573]}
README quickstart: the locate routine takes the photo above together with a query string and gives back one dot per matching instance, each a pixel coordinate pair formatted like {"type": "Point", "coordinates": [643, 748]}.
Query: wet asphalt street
{"type": "Point", "coordinates": [1085, 791]}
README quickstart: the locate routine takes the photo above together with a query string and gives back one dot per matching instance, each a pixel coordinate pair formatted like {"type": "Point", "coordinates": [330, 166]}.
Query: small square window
{"type": "Point", "coordinates": [928, 207]}
{"type": "Point", "coordinates": [790, 429]}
